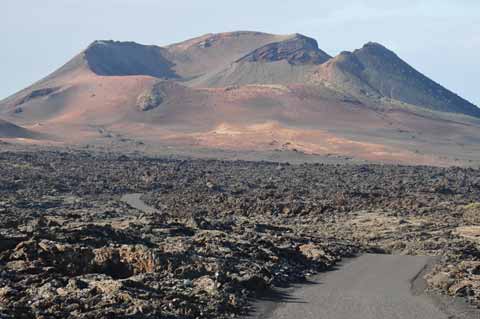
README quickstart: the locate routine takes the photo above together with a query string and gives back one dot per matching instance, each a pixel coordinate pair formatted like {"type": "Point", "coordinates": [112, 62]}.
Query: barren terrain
{"type": "Point", "coordinates": [247, 91]}
{"type": "Point", "coordinates": [190, 180]}
{"type": "Point", "coordinates": [218, 232]}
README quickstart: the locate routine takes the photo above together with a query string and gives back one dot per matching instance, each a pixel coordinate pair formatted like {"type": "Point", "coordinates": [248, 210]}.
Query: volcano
{"type": "Point", "coordinates": [251, 91]}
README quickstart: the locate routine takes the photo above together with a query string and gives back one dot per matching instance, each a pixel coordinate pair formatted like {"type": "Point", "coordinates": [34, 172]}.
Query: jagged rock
{"type": "Point", "coordinates": [70, 246]}
{"type": "Point", "coordinates": [152, 98]}
{"type": "Point", "coordinates": [149, 100]}
{"type": "Point", "coordinates": [441, 280]}
{"type": "Point", "coordinates": [36, 94]}
{"type": "Point", "coordinates": [76, 284]}
{"type": "Point", "coordinates": [253, 282]}
{"type": "Point", "coordinates": [140, 258]}
{"type": "Point", "coordinates": [316, 253]}
{"type": "Point", "coordinates": [297, 50]}
{"type": "Point", "coordinates": [462, 288]}
{"type": "Point", "coordinates": [471, 213]}
{"type": "Point", "coordinates": [109, 287]}
{"type": "Point", "coordinates": [206, 284]}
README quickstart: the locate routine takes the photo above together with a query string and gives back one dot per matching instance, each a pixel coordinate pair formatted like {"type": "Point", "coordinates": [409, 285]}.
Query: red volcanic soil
{"type": "Point", "coordinates": [249, 91]}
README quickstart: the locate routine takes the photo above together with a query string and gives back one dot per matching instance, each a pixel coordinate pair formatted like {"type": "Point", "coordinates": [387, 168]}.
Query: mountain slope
{"type": "Point", "coordinates": [9, 130]}
{"type": "Point", "coordinates": [290, 60]}
{"type": "Point", "coordinates": [112, 58]}
{"type": "Point", "coordinates": [251, 91]}
{"type": "Point", "coordinates": [211, 53]}
{"type": "Point", "coordinates": [376, 71]}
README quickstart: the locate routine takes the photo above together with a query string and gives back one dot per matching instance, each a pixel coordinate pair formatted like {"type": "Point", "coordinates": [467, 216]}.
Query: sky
{"type": "Point", "coordinates": [440, 38]}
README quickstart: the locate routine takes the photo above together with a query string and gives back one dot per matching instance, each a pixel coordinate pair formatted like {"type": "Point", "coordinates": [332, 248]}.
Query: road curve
{"type": "Point", "coordinates": [135, 201]}
{"type": "Point", "coordinates": [367, 287]}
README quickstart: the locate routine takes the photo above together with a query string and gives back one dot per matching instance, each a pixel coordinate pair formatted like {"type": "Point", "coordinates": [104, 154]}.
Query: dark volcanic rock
{"type": "Point", "coordinates": [297, 50]}
{"type": "Point", "coordinates": [35, 94]}
{"type": "Point", "coordinates": [152, 98]}
{"type": "Point", "coordinates": [221, 233]}
{"type": "Point", "coordinates": [112, 58]}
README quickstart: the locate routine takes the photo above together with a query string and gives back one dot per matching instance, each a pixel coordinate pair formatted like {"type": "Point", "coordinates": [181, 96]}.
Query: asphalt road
{"type": "Point", "coordinates": [367, 287]}
{"type": "Point", "coordinates": [134, 201]}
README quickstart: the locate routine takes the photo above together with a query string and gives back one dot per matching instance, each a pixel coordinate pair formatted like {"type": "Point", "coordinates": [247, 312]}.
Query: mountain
{"type": "Point", "coordinates": [250, 91]}
{"type": "Point", "coordinates": [376, 71]}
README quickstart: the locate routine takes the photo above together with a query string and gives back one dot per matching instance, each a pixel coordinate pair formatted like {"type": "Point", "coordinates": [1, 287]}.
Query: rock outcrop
{"type": "Point", "coordinates": [297, 50]}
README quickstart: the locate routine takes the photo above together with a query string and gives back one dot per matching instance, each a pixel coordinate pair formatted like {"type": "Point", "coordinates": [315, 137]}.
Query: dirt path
{"type": "Point", "coordinates": [367, 287]}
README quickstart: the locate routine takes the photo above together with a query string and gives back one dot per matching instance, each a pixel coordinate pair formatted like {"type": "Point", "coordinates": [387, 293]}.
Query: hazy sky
{"type": "Point", "coordinates": [440, 38]}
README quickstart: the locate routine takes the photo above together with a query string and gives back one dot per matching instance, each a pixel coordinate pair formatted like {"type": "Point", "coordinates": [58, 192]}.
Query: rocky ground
{"type": "Point", "coordinates": [223, 233]}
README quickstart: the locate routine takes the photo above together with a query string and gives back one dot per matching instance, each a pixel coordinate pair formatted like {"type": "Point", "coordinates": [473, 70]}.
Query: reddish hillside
{"type": "Point", "coordinates": [251, 90]}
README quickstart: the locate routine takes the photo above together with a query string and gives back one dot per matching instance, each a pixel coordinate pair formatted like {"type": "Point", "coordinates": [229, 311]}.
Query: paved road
{"type": "Point", "coordinates": [134, 201]}
{"type": "Point", "coordinates": [367, 287]}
